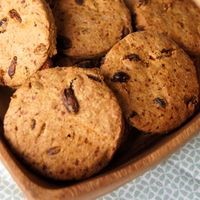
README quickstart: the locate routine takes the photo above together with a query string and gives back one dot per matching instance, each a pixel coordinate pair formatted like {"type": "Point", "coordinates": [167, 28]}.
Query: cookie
{"type": "Point", "coordinates": [172, 17]}
{"type": "Point", "coordinates": [90, 28]}
{"type": "Point", "coordinates": [65, 122]}
{"type": "Point", "coordinates": [27, 39]}
{"type": "Point", "coordinates": [154, 80]}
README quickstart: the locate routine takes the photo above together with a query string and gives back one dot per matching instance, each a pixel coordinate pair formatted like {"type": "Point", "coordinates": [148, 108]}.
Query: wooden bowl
{"type": "Point", "coordinates": [140, 153]}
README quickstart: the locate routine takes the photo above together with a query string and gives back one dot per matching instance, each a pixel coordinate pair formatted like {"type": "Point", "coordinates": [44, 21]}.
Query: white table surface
{"type": "Point", "coordinates": [177, 178]}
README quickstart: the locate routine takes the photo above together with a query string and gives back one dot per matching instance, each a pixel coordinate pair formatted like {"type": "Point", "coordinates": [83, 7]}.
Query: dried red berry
{"type": "Point", "coordinates": [53, 151]}
{"type": "Point", "coordinates": [121, 77]}
{"type": "Point", "coordinates": [12, 67]}
{"type": "Point", "coordinates": [161, 102]}
{"type": "Point", "coordinates": [133, 57]}
{"type": "Point", "coordinates": [3, 25]}
{"type": "Point", "coordinates": [70, 101]}
{"type": "Point", "coordinates": [94, 78]}
{"type": "Point", "coordinates": [15, 15]}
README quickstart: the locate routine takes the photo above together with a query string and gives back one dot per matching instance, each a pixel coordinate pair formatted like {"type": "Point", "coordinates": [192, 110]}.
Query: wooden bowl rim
{"type": "Point", "coordinates": [104, 183]}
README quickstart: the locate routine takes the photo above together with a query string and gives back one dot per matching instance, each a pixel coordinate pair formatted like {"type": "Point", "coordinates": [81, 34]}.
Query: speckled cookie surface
{"type": "Point", "coordinates": [27, 39]}
{"type": "Point", "coordinates": [179, 19]}
{"type": "Point", "coordinates": [89, 28]}
{"type": "Point", "coordinates": [65, 122]}
{"type": "Point", "coordinates": [154, 80]}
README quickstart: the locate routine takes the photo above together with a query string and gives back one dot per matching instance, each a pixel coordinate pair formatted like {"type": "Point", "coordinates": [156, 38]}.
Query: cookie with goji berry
{"type": "Point", "coordinates": [65, 122]}
{"type": "Point", "coordinates": [88, 28]}
{"type": "Point", "coordinates": [27, 39]}
{"type": "Point", "coordinates": [154, 80]}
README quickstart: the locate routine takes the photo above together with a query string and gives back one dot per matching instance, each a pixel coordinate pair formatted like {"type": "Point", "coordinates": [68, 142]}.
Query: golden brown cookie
{"type": "Point", "coordinates": [179, 19]}
{"type": "Point", "coordinates": [89, 28]}
{"type": "Point", "coordinates": [65, 122]}
{"type": "Point", "coordinates": [27, 39]}
{"type": "Point", "coordinates": [154, 80]}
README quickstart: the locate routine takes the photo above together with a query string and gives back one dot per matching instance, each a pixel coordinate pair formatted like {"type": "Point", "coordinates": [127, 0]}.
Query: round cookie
{"type": "Point", "coordinates": [27, 39]}
{"type": "Point", "coordinates": [65, 122]}
{"type": "Point", "coordinates": [172, 17]}
{"type": "Point", "coordinates": [90, 28]}
{"type": "Point", "coordinates": [154, 80]}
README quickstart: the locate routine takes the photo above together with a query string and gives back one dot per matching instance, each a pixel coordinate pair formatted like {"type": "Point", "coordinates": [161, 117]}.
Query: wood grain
{"type": "Point", "coordinates": [139, 154]}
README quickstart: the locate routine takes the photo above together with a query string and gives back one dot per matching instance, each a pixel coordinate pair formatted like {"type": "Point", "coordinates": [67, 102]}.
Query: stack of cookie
{"type": "Point", "coordinates": [67, 122]}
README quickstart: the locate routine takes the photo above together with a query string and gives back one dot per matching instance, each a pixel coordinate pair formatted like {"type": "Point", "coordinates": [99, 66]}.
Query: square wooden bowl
{"type": "Point", "coordinates": [141, 153]}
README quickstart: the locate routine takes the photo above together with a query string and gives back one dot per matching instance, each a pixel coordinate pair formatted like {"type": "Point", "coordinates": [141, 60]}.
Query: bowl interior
{"type": "Point", "coordinates": [133, 147]}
